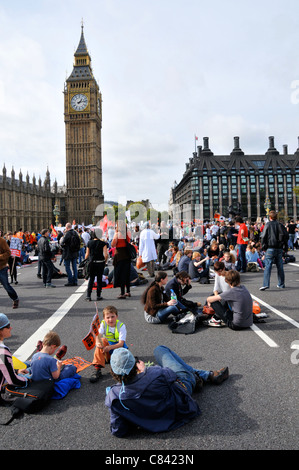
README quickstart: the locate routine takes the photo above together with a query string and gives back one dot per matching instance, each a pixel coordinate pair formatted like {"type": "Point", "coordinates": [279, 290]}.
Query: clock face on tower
{"type": "Point", "coordinates": [79, 102]}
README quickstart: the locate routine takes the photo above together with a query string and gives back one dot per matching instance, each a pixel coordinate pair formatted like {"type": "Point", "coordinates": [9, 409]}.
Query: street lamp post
{"type": "Point", "coordinates": [56, 213]}
{"type": "Point", "coordinates": [267, 205]}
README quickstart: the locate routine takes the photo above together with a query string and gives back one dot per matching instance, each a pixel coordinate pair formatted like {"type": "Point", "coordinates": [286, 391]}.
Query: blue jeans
{"type": "Point", "coordinates": [72, 278]}
{"type": "Point", "coordinates": [163, 313]}
{"type": "Point", "coordinates": [81, 254]}
{"type": "Point", "coordinates": [273, 254]}
{"type": "Point", "coordinates": [291, 241]}
{"type": "Point", "coordinates": [4, 281]}
{"type": "Point", "coordinates": [165, 357]}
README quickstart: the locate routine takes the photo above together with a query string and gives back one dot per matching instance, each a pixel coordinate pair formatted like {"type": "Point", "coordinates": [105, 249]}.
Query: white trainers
{"type": "Point", "coordinates": [215, 322]}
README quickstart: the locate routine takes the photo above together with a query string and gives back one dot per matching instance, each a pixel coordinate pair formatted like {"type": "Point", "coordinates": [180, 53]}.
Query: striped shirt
{"type": "Point", "coordinates": [7, 372]}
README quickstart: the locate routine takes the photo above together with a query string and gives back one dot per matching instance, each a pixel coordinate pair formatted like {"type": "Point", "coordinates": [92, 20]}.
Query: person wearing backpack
{"type": "Point", "coordinates": [71, 247]}
{"type": "Point", "coordinates": [274, 241]}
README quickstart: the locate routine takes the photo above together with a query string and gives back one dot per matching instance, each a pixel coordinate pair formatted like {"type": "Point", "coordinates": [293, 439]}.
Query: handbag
{"type": "Point", "coordinates": [132, 250]}
{"type": "Point", "coordinates": [139, 263]}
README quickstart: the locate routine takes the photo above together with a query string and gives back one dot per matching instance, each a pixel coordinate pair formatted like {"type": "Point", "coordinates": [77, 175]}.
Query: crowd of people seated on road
{"type": "Point", "coordinates": [213, 252]}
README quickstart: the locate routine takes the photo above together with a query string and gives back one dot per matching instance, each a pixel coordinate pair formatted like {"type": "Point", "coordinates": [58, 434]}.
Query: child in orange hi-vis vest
{"type": "Point", "coordinates": [112, 335]}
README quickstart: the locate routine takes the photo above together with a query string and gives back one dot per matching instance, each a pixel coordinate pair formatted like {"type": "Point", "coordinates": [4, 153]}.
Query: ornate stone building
{"type": "Point", "coordinates": [25, 204]}
{"type": "Point", "coordinates": [214, 183]}
{"type": "Point", "coordinates": [83, 124]}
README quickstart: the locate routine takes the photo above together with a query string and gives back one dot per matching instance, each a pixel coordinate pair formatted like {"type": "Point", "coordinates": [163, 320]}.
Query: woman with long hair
{"type": "Point", "coordinates": [157, 307]}
{"type": "Point", "coordinates": [121, 259]}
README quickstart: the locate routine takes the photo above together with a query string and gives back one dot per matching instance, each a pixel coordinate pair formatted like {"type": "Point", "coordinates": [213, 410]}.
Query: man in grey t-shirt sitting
{"type": "Point", "coordinates": [232, 307]}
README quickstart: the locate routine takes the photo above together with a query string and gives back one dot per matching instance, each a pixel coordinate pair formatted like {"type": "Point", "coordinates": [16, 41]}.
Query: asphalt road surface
{"type": "Point", "coordinates": [255, 409]}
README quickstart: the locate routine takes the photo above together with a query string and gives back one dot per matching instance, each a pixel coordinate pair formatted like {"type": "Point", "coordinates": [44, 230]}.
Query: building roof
{"type": "Point", "coordinates": [81, 71]}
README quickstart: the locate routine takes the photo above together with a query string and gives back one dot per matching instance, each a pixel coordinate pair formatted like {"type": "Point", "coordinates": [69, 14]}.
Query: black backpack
{"type": "Point", "coordinates": [31, 399]}
{"type": "Point", "coordinates": [74, 242]}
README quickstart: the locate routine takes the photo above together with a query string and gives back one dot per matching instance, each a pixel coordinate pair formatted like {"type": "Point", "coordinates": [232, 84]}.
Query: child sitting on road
{"type": "Point", "coordinates": [44, 366]}
{"type": "Point", "coordinates": [233, 307]}
{"type": "Point", "coordinates": [112, 335]}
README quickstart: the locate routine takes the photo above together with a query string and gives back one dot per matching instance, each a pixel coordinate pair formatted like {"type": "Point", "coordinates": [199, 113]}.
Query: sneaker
{"type": "Point", "coordinates": [264, 288]}
{"type": "Point", "coordinates": [96, 375]}
{"type": "Point", "coordinates": [214, 322]}
{"type": "Point", "coordinates": [218, 376]}
{"type": "Point", "coordinates": [281, 287]}
{"type": "Point", "coordinates": [39, 345]}
{"type": "Point", "coordinates": [15, 303]}
{"type": "Point", "coordinates": [61, 352]}
{"type": "Point", "coordinates": [50, 285]}
{"type": "Point", "coordinates": [261, 315]}
{"type": "Point", "coordinates": [88, 299]}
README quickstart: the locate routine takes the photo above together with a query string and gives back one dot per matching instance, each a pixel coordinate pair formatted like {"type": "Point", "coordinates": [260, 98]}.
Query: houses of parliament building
{"type": "Point", "coordinates": [33, 205]}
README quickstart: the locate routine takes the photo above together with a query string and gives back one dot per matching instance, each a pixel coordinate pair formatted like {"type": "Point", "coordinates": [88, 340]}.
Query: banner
{"type": "Point", "coordinates": [89, 340]}
{"type": "Point", "coordinates": [78, 362]}
{"type": "Point", "coordinates": [15, 247]}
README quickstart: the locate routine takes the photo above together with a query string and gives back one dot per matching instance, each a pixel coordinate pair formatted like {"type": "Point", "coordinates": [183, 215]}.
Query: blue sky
{"type": "Point", "coordinates": [167, 69]}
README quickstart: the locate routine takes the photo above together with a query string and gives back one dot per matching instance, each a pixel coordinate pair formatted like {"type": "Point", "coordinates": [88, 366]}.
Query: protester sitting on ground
{"type": "Point", "coordinates": [233, 252]}
{"type": "Point", "coordinates": [43, 366]}
{"type": "Point", "coordinates": [185, 260]}
{"type": "Point", "coordinates": [229, 260]}
{"type": "Point", "coordinates": [198, 268]}
{"type": "Point", "coordinates": [213, 252]}
{"type": "Point", "coordinates": [157, 307]}
{"type": "Point", "coordinates": [112, 335]}
{"type": "Point", "coordinates": [171, 259]}
{"type": "Point", "coordinates": [180, 284]}
{"type": "Point", "coordinates": [252, 257]}
{"type": "Point", "coordinates": [234, 306]}
{"type": "Point", "coordinates": [8, 375]}
{"type": "Point", "coordinates": [261, 254]}
{"type": "Point", "coordinates": [155, 398]}
{"type": "Point", "coordinates": [220, 284]}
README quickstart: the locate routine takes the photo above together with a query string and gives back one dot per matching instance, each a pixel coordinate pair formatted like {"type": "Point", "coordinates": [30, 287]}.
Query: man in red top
{"type": "Point", "coordinates": [242, 242]}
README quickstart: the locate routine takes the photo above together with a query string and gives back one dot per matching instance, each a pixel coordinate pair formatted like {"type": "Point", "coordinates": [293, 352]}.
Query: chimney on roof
{"type": "Point", "coordinates": [285, 149]}
{"type": "Point", "coordinates": [206, 150]}
{"type": "Point", "coordinates": [272, 148]}
{"type": "Point", "coordinates": [237, 149]}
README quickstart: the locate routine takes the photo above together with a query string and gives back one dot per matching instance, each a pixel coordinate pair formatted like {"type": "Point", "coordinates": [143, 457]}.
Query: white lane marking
{"type": "Point", "coordinates": [294, 264]}
{"type": "Point", "coordinates": [264, 337]}
{"type": "Point", "coordinates": [274, 310]}
{"type": "Point", "coordinates": [25, 351]}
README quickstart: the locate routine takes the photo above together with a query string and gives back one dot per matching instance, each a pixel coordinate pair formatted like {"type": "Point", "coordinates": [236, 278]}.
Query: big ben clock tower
{"type": "Point", "coordinates": [83, 124]}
